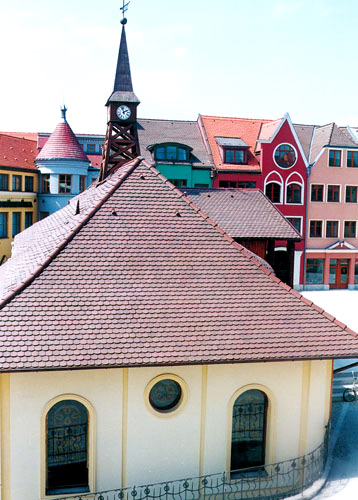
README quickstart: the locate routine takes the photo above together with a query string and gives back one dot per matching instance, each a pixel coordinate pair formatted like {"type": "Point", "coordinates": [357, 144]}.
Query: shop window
{"type": "Point", "coordinates": [65, 183]}
{"type": "Point", "coordinates": [4, 182]}
{"type": "Point", "coordinates": [315, 229]}
{"type": "Point", "coordinates": [29, 183]}
{"type": "Point", "coordinates": [334, 158]}
{"type": "Point", "coordinates": [314, 271]}
{"type": "Point", "coordinates": [285, 156]}
{"type": "Point", "coordinates": [356, 272]}
{"type": "Point", "coordinates": [28, 219]}
{"type": "Point", "coordinates": [317, 192]}
{"type": "Point", "coordinates": [246, 185]}
{"type": "Point", "coordinates": [201, 185]}
{"type": "Point", "coordinates": [296, 222]}
{"type": "Point", "coordinates": [333, 193]}
{"type": "Point", "coordinates": [351, 194]}
{"type": "Point", "coordinates": [16, 223]}
{"type": "Point", "coordinates": [273, 192]}
{"type": "Point", "coordinates": [294, 193]}
{"type": "Point", "coordinates": [332, 229]}
{"type": "Point", "coordinates": [82, 183]}
{"type": "Point", "coordinates": [3, 224]}
{"type": "Point", "coordinates": [67, 448]}
{"type": "Point", "coordinates": [350, 229]}
{"type": "Point", "coordinates": [248, 438]}
{"type": "Point", "coordinates": [227, 184]}
{"type": "Point", "coordinates": [236, 156]}
{"type": "Point", "coordinates": [16, 182]}
{"type": "Point", "coordinates": [352, 159]}
{"type": "Point", "coordinates": [45, 183]}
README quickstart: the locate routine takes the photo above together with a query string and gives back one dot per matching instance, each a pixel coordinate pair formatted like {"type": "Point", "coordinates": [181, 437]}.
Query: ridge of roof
{"type": "Point", "coordinates": [167, 120]}
{"type": "Point", "coordinates": [16, 137]}
{"type": "Point", "coordinates": [127, 169]}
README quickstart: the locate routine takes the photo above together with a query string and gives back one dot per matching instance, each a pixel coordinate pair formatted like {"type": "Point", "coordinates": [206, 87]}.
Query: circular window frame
{"type": "Point", "coordinates": [180, 404]}
{"type": "Point", "coordinates": [285, 144]}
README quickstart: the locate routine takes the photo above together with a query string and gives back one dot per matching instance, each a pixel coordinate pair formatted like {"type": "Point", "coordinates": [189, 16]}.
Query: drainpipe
{"type": "Point", "coordinates": [308, 171]}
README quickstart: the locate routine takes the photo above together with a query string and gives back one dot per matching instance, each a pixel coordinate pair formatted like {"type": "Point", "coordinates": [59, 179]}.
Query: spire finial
{"type": "Point", "coordinates": [124, 8]}
{"type": "Point", "coordinates": [63, 113]}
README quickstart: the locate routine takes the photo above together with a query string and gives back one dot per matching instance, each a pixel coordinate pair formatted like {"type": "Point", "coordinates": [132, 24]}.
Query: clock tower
{"type": "Point", "coordinates": [121, 143]}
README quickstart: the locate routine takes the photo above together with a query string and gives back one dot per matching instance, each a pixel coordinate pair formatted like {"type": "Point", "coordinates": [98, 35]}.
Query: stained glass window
{"type": "Point", "coordinates": [67, 429]}
{"type": "Point", "coordinates": [248, 430]}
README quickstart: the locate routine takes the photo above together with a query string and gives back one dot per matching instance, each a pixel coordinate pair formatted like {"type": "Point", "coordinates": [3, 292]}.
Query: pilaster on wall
{"type": "Point", "coordinates": [5, 436]}
{"type": "Point", "coordinates": [305, 394]}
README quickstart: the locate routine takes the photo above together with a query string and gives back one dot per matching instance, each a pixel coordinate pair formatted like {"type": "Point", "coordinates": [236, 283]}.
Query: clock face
{"type": "Point", "coordinates": [123, 112]}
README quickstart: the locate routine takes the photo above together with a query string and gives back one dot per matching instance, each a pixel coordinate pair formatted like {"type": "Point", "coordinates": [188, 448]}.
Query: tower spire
{"type": "Point", "coordinates": [121, 143]}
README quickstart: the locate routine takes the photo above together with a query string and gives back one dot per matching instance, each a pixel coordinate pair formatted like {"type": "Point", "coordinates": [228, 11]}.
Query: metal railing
{"type": "Point", "coordinates": [270, 482]}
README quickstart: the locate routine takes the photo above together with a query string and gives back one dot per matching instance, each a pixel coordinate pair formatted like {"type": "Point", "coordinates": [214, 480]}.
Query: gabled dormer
{"type": "Point", "coordinates": [172, 152]}
{"type": "Point", "coordinates": [233, 150]}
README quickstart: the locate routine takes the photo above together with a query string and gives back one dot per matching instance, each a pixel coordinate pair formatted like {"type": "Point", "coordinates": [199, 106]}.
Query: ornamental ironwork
{"type": "Point", "coordinates": [269, 482]}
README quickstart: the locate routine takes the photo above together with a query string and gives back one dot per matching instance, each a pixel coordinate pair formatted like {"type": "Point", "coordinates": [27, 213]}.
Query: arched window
{"type": "Point", "coordinates": [67, 448]}
{"type": "Point", "coordinates": [294, 193]}
{"type": "Point", "coordinates": [249, 418]}
{"type": "Point", "coordinates": [273, 192]}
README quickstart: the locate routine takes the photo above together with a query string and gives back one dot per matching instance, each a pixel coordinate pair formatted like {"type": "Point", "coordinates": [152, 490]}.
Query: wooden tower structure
{"type": "Point", "coordinates": [121, 142]}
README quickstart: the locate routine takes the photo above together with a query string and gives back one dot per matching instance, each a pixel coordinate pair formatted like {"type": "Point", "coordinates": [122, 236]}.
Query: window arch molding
{"type": "Point", "coordinates": [270, 422]}
{"type": "Point", "coordinates": [91, 439]}
{"type": "Point", "coordinates": [275, 178]}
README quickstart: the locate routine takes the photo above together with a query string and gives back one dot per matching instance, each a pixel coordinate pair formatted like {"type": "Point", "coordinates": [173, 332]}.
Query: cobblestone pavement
{"type": "Point", "coordinates": [342, 481]}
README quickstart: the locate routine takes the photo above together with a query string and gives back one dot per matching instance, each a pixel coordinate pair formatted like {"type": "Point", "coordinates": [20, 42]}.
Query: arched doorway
{"type": "Point", "coordinates": [67, 448]}
{"type": "Point", "coordinates": [249, 418]}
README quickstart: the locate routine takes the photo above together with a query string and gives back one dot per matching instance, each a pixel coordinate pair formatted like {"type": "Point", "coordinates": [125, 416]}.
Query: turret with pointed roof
{"type": "Point", "coordinates": [121, 143]}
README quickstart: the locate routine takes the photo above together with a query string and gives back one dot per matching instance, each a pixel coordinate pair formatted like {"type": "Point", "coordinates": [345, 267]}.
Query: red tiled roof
{"type": "Point", "coordinates": [17, 152]}
{"type": "Point", "coordinates": [31, 136]}
{"type": "Point", "coordinates": [243, 213]}
{"type": "Point", "coordinates": [95, 160]}
{"type": "Point", "coordinates": [246, 129]}
{"type": "Point", "coordinates": [142, 277]}
{"type": "Point", "coordinates": [62, 144]}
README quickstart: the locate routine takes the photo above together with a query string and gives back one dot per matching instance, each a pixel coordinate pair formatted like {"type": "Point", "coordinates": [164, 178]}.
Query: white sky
{"type": "Point", "coordinates": [248, 58]}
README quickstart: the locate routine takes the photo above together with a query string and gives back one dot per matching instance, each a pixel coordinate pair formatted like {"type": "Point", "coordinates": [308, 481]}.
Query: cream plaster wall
{"type": "Point", "coordinates": [195, 439]}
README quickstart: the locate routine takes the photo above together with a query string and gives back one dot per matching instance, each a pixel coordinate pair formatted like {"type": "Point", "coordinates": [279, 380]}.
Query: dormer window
{"type": "Point", "coordinates": [237, 156]}
{"type": "Point", "coordinates": [233, 150]}
{"type": "Point", "coordinates": [172, 152]}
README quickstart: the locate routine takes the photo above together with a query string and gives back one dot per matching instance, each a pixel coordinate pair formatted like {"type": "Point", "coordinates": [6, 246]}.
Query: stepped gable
{"type": "Point", "coordinates": [146, 278]}
{"type": "Point", "coordinates": [151, 132]}
{"type": "Point", "coordinates": [243, 213]}
{"type": "Point", "coordinates": [247, 129]}
{"type": "Point", "coordinates": [62, 144]}
{"type": "Point", "coordinates": [17, 152]}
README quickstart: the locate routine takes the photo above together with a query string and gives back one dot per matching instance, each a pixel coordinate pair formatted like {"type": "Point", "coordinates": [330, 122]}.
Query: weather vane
{"type": "Point", "coordinates": [124, 8]}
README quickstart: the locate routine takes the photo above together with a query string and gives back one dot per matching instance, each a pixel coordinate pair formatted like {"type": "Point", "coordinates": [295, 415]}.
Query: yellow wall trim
{"type": "Point", "coordinates": [124, 427]}
{"type": "Point", "coordinates": [204, 389]}
{"type": "Point", "coordinates": [305, 394]}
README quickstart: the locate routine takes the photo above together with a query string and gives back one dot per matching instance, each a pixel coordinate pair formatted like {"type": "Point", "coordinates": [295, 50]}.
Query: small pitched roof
{"type": "Point", "coordinates": [17, 152]}
{"type": "Point", "coordinates": [329, 135]}
{"type": "Point", "coordinates": [142, 277]}
{"type": "Point", "coordinates": [62, 144]}
{"type": "Point", "coordinates": [304, 134]}
{"type": "Point", "coordinates": [246, 129]}
{"type": "Point", "coordinates": [152, 132]}
{"type": "Point", "coordinates": [243, 213]}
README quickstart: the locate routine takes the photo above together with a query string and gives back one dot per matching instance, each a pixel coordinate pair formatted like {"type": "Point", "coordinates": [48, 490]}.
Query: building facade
{"type": "Point", "coordinates": [18, 189]}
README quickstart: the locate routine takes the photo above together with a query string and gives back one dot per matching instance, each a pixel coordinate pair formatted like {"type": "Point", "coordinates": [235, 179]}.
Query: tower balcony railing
{"type": "Point", "coordinates": [269, 482]}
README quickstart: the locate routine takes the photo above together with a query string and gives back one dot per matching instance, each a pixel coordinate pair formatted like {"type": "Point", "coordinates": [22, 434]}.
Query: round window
{"type": "Point", "coordinates": [165, 395]}
{"type": "Point", "coordinates": [285, 156]}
